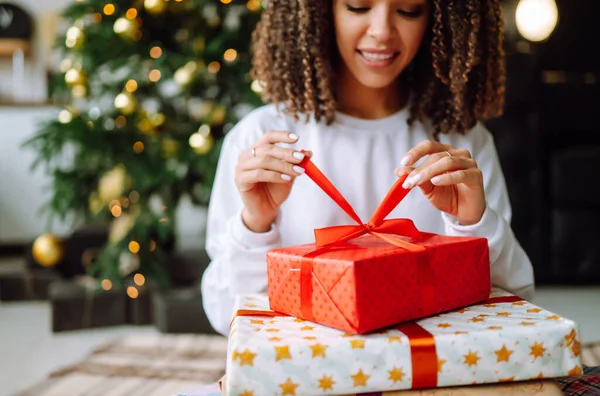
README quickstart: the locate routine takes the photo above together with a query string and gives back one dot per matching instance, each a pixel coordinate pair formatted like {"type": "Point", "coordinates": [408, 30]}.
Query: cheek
{"type": "Point", "coordinates": [412, 37]}
{"type": "Point", "coordinates": [346, 37]}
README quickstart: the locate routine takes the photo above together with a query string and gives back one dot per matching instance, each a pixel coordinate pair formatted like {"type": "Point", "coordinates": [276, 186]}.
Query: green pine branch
{"type": "Point", "coordinates": [153, 159]}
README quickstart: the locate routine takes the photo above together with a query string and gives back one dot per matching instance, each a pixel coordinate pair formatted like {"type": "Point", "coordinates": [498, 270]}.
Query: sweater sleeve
{"type": "Point", "coordinates": [237, 254]}
{"type": "Point", "coordinates": [511, 268]}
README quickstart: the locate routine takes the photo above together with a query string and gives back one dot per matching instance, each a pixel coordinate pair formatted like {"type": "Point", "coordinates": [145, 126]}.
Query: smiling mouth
{"type": "Point", "coordinates": [378, 56]}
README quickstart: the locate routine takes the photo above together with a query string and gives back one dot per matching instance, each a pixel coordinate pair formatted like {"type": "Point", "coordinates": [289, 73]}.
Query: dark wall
{"type": "Point", "coordinates": [549, 145]}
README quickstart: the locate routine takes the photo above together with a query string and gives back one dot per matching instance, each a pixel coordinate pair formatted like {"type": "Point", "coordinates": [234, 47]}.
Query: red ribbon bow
{"type": "Point", "coordinates": [377, 226]}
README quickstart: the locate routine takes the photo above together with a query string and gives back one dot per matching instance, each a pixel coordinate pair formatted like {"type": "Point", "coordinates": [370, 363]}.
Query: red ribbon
{"type": "Point", "coordinates": [377, 226]}
{"type": "Point", "coordinates": [423, 352]}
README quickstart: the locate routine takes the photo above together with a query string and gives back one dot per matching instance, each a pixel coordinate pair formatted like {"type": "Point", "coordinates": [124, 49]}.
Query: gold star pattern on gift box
{"type": "Point", "coordinates": [512, 340]}
{"type": "Point", "coordinates": [326, 383]}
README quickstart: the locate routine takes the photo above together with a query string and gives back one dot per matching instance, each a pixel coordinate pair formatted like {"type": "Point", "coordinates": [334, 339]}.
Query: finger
{"type": "Point", "coordinates": [438, 156]}
{"type": "Point", "coordinates": [424, 174]}
{"type": "Point", "coordinates": [471, 177]}
{"type": "Point", "coordinates": [270, 150]}
{"type": "Point", "coordinates": [422, 149]}
{"type": "Point", "coordinates": [414, 172]}
{"type": "Point", "coordinates": [272, 137]}
{"type": "Point", "coordinates": [248, 179]}
{"type": "Point", "coordinates": [272, 164]}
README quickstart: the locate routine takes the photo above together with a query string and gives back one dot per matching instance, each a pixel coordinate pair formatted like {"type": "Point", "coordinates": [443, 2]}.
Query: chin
{"type": "Point", "coordinates": [377, 82]}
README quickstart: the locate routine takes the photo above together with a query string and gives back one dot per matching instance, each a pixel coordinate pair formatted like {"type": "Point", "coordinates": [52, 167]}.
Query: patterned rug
{"type": "Point", "coordinates": [159, 365]}
{"type": "Point", "coordinates": [141, 365]}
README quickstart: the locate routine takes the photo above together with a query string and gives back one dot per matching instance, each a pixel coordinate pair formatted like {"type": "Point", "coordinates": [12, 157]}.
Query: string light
{"type": "Point", "coordinates": [204, 130]}
{"type": "Point", "coordinates": [139, 279]}
{"type": "Point", "coordinates": [156, 52]}
{"type": "Point", "coordinates": [109, 9]}
{"type": "Point", "coordinates": [134, 247]}
{"type": "Point", "coordinates": [132, 292]}
{"type": "Point", "coordinates": [138, 147]}
{"type": "Point", "coordinates": [152, 246]}
{"type": "Point", "coordinates": [257, 86]}
{"type": "Point", "coordinates": [124, 202]}
{"type": "Point", "coordinates": [65, 116]}
{"type": "Point", "coordinates": [131, 86]}
{"type": "Point", "coordinates": [225, 1]}
{"type": "Point", "coordinates": [116, 211]}
{"type": "Point", "coordinates": [131, 13]}
{"type": "Point", "coordinates": [214, 67]}
{"type": "Point", "coordinates": [112, 203]}
{"type": "Point", "coordinates": [253, 5]}
{"type": "Point", "coordinates": [230, 55]}
{"type": "Point", "coordinates": [121, 121]}
{"type": "Point", "coordinates": [155, 75]}
{"type": "Point", "coordinates": [106, 284]}
{"type": "Point", "coordinates": [134, 196]}
{"type": "Point", "coordinates": [97, 18]}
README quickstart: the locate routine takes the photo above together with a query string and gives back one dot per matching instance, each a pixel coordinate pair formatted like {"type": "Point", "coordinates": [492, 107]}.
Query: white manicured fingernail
{"type": "Point", "coordinates": [286, 177]}
{"type": "Point", "coordinates": [298, 155]}
{"type": "Point", "coordinates": [411, 181]}
{"type": "Point", "coordinates": [298, 169]}
{"type": "Point", "coordinates": [293, 136]}
{"type": "Point", "coordinates": [436, 179]}
{"type": "Point", "coordinates": [414, 180]}
{"type": "Point", "coordinates": [405, 160]}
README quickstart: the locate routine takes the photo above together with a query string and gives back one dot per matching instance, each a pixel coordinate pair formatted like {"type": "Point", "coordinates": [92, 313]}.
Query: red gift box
{"type": "Point", "coordinates": [359, 283]}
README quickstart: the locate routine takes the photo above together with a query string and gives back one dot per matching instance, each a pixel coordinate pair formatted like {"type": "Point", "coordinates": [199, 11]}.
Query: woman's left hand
{"type": "Point", "coordinates": [449, 178]}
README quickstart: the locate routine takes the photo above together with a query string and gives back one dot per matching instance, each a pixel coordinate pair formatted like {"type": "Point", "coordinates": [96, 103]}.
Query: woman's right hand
{"type": "Point", "coordinates": [264, 176]}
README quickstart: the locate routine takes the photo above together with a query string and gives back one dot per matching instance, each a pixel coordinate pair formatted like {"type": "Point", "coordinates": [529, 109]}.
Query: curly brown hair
{"type": "Point", "coordinates": [458, 74]}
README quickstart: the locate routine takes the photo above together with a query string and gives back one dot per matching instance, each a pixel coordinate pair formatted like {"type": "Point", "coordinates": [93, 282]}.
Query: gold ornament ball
{"type": "Point", "coordinates": [125, 27]}
{"type": "Point", "coordinates": [75, 77]}
{"type": "Point", "coordinates": [47, 250]}
{"type": "Point", "coordinates": [79, 91]}
{"type": "Point", "coordinates": [202, 144]}
{"type": "Point", "coordinates": [155, 7]}
{"type": "Point", "coordinates": [125, 102]}
{"type": "Point", "coordinates": [218, 115]}
{"type": "Point", "coordinates": [75, 37]}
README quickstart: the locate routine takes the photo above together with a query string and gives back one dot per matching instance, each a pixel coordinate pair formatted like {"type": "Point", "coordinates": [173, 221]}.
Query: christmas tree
{"type": "Point", "coordinates": [148, 88]}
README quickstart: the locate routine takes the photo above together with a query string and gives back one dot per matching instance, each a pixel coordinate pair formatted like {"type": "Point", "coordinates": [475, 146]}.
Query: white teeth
{"type": "Point", "coordinates": [377, 57]}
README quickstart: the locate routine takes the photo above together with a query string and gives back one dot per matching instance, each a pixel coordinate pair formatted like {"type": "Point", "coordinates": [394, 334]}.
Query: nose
{"type": "Point", "coordinates": [381, 25]}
